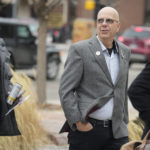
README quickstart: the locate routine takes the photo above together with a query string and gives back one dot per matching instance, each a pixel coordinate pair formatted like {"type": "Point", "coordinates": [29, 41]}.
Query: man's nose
{"type": "Point", "coordinates": [104, 22]}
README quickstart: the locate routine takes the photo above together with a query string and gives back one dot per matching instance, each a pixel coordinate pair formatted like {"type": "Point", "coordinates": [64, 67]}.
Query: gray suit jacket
{"type": "Point", "coordinates": [86, 83]}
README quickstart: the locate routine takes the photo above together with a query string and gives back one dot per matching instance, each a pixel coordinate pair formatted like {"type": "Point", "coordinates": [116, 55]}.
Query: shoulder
{"type": "Point", "coordinates": [2, 44]}
{"type": "Point", "coordinates": [3, 49]}
{"type": "Point", "coordinates": [125, 49]}
{"type": "Point", "coordinates": [79, 47]}
{"type": "Point", "coordinates": [81, 44]}
{"type": "Point", "coordinates": [123, 46]}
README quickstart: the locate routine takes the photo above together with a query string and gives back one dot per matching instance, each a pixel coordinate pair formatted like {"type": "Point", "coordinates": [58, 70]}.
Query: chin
{"type": "Point", "coordinates": [105, 37]}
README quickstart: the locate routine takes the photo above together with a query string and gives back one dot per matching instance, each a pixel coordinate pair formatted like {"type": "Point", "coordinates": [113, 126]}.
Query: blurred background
{"type": "Point", "coordinates": [38, 35]}
{"type": "Point", "coordinates": [62, 18]}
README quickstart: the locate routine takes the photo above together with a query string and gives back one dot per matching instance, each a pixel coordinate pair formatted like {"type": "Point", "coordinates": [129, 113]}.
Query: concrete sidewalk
{"type": "Point", "coordinates": [52, 119]}
{"type": "Point", "coordinates": [53, 147]}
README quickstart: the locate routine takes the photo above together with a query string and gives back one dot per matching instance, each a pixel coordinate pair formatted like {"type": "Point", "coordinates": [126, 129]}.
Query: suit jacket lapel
{"type": "Point", "coordinates": [95, 47]}
{"type": "Point", "coordinates": [121, 63]}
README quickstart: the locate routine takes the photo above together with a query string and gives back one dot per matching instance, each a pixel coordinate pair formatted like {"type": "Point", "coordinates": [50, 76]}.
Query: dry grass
{"type": "Point", "coordinates": [135, 129]}
{"type": "Point", "coordinates": [50, 107]}
{"type": "Point", "coordinates": [28, 121]}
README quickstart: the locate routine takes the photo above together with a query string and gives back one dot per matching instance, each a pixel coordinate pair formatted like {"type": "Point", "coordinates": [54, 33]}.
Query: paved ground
{"type": "Point", "coordinates": [53, 147]}
{"type": "Point", "coordinates": [51, 121]}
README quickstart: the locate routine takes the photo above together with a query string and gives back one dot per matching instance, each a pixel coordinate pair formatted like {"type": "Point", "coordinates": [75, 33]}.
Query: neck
{"type": "Point", "coordinates": [107, 43]}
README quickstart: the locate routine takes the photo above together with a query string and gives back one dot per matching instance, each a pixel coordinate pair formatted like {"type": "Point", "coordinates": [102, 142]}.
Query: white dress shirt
{"type": "Point", "coordinates": [112, 61]}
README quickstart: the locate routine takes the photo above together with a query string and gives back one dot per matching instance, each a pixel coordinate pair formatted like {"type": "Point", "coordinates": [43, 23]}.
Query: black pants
{"type": "Point", "coordinates": [99, 138]}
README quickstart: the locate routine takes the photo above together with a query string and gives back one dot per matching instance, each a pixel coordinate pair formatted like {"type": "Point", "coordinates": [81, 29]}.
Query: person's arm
{"type": "Point", "coordinates": [139, 92]}
{"type": "Point", "coordinates": [9, 76]}
{"type": "Point", "coordinates": [126, 118]}
{"type": "Point", "coordinates": [6, 61]}
{"type": "Point", "coordinates": [70, 81]}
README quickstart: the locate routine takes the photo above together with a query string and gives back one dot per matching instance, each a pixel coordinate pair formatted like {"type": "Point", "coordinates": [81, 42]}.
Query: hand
{"type": "Point", "coordinates": [84, 126]}
{"type": "Point", "coordinates": [20, 96]}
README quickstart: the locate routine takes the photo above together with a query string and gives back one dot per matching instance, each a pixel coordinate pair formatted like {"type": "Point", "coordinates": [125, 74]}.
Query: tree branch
{"type": "Point", "coordinates": [51, 6]}
{"type": "Point", "coordinates": [44, 11]}
{"type": "Point", "coordinates": [43, 8]}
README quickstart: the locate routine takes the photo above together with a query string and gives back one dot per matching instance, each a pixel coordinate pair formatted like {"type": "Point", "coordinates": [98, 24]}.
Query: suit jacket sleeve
{"type": "Point", "coordinates": [70, 80]}
{"type": "Point", "coordinates": [126, 119]}
{"type": "Point", "coordinates": [8, 71]}
{"type": "Point", "coordinates": [139, 93]}
{"type": "Point", "coordinates": [8, 125]}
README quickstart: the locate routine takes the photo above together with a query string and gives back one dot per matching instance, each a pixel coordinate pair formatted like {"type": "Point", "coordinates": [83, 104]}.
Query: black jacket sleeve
{"type": "Point", "coordinates": [8, 124]}
{"type": "Point", "coordinates": [139, 93]}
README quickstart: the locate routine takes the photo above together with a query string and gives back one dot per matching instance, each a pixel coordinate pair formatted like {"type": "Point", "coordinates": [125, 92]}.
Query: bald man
{"type": "Point", "coordinates": [93, 88]}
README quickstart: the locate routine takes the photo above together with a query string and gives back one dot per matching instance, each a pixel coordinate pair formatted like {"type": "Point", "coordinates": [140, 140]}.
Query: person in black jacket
{"type": "Point", "coordinates": [139, 94]}
{"type": "Point", "coordinates": [8, 125]}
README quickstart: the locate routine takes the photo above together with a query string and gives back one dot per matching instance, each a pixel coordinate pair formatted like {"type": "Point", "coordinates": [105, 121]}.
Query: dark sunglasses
{"type": "Point", "coordinates": [108, 21]}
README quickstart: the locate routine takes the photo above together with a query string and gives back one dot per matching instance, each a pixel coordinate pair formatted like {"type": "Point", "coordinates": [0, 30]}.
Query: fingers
{"type": "Point", "coordinates": [84, 126]}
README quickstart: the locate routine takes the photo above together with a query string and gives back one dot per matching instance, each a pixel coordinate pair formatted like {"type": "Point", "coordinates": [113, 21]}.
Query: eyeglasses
{"type": "Point", "coordinates": [108, 21]}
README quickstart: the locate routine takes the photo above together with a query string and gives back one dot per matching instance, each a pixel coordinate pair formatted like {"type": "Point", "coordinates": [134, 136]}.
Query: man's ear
{"type": "Point", "coordinates": [118, 26]}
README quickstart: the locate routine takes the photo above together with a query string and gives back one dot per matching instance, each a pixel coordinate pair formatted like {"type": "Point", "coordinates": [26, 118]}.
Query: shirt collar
{"type": "Point", "coordinates": [102, 45]}
{"type": "Point", "coordinates": [115, 48]}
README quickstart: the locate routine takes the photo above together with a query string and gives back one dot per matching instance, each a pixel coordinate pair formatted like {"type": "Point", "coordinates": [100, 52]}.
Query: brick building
{"type": "Point", "coordinates": [132, 12]}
